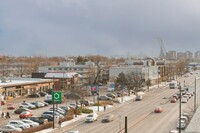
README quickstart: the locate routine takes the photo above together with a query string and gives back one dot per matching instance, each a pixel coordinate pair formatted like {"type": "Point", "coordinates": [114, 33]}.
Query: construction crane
{"type": "Point", "coordinates": [162, 48]}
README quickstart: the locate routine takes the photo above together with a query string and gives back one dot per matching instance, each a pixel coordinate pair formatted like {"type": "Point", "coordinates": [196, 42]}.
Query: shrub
{"type": "Point", "coordinates": [36, 129]}
{"type": "Point", "coordinates": [87, 111]}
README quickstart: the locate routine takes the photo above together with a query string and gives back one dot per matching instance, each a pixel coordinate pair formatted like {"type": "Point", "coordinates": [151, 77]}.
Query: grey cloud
{"type": "Point", "coordinates": [107, 27]}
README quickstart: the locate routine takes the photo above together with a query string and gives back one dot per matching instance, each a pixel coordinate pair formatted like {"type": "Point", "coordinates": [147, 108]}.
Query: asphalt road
{"type": "Point", "coordinates": [141, 118]}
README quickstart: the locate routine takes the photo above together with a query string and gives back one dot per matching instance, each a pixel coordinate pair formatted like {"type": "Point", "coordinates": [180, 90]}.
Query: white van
{"type": "Point", "coordinates": [73, 132]}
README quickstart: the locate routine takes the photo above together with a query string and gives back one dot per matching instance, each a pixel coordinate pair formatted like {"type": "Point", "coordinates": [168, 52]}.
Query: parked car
{"type": "Point", "coordinates": [73, 132]}
{"type": "Point", "coordinates": [51, 113]}
{"type": "Point", "coordinates": [45, 103]}
{"type": "Point", "coordinates": [19, 110]}
{"type": "Point", "coordinates": [184, 100]}
{"type": "Point", "coordinates": [58, 110]}
{"type": "Point", "coordinates": [9, 129]}
{"type": "Point", "coordinates": [172, 100]}
{"type": "Point", "coordinates": [31, 123]}
{"type": "Point", "coordinates": [138, 98]}
{"type": "Point", "coordinates": [27, 105]}
{"type": "Point", "coordinates": [66, 108]}
{"type": "Point", "coordinates": [37, 119]}
{"type": "Point", "coordinates": [104, 98]}
{"type": "Point", "coordinates": [112, 95]}
{"type": "Point", "coordinates": [91, 117]}
{"type": "Point", "coordinates": [48, 117]}
{"type": "Point", "coordinates": [108, 118]}
{"type": "Point", "coordinates": [38, 104]}
{"type": "Point", "coordinates": [182, 126]}
{"type": "Point", "coordinates": [3, 102]}
{"type": "Point", "coordinates": [73, 105]}
{"type": "Point", "coordinates": [10, 106]}
{"type": "Point", "coordinates": [25, 114]}
{"type": "Point", "coordinates": [85, 102]}
{"type": "Point", "coordinates": [18, 124]}
{"type": "Point", "coordinates": [158, 109]}
{"type": "Point", "coordinates": [34, 95]}
{"type": "Point", "coordinates": [42, 94]}
{"type": "Point", "coordinates": [173, 131]}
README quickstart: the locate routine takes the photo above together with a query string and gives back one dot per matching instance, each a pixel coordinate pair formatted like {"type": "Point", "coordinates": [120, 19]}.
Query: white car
{"type": "Point", "coordinates": [182, 126]}
{"type": "Point", "coordinates": [184, 100]}
{"type": "Point", "coordinates": [10, 128]}
{"type": "Point", "coordinates": [173, 131]}
{"type": "Point", "coordinates": [18, 124]}
{"type": "Point", "coordinates": [91, 117]}
{"type": "Point", "coordinates": [31, 123]}
{"type": "Point", "coordinates": [27, 105]}
{"type": "Point", "coordinates": [73, 132]}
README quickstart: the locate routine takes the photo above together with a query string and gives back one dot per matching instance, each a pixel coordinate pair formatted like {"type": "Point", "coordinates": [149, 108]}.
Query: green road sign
{"type": "Point", "coordinates": [56, 96]}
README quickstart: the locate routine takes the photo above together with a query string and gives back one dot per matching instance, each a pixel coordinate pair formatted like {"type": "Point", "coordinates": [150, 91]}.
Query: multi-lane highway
{"type": "Point", "coordinates": [141, 118]}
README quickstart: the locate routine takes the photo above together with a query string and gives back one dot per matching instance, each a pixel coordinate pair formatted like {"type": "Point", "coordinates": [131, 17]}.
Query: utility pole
{"type": "Point", "coordinates": [179, 108]}
{"type": "Point", "coordinates": [53, 104]}
{"type": "Point", "coordinates": [126, 125]}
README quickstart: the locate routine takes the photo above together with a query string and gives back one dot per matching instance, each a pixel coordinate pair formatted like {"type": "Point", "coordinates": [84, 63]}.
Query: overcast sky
{"type": "Point", "coordinates": [104, 27]}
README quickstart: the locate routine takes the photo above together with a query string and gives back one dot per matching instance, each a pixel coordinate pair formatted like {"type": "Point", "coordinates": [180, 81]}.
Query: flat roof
{"type": "Point", "coordinates": [22, 81]}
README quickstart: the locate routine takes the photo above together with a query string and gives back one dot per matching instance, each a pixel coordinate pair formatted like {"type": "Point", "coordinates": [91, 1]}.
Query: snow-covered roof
{"type": "Point", "coordinates": [62, 75]}
{"type": "Point", "coordinates": [20, 81]}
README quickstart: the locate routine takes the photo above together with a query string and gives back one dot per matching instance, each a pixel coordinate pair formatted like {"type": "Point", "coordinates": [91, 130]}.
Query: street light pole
{"type": "Point", "coordinates": [98, 95]}
{"type": "Point", "coordinates": [195, 94]}
{"type": "Point", "coordinates": [179, 108]}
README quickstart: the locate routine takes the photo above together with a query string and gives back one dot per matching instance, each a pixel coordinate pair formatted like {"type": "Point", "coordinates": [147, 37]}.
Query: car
{"type": "Point", "coordinates": [42, 94]}
{"type": "Point", "coordinates": [104, 98]}
{"type": "Point", "coordinates": [73, 105]}
{"type": "Point", "coordinates": [85, 102]}
{"type": "Point", "coordinates": [27, 105]}
{"type": "Point", "coordinates": [66, 108]}
{"type": "Point", "coordinates": [25, 114]}
{"type": "Point", "coordinates": [182, 126]}
{"type": "Point", "coordinates": [73, 132]}
{"type": "Point", "coordinates": [19, 110]}
{"type": "Point", "coordinates": [107, 118]}
{"type": "Point", "coordinates": [38, 104]}
{"type": "Point", "coordinates": [173, 131]}
{"type": "Point", "coordinates": [138, 98]}
{"type": "Point", "coordinates": [184, 118]}
{"type": "Point", "coordinates": [48, 117]}
{"type": "Point", "coordinates": [40, 120]}
{"type": "Point", "coordinates": [184, 100]}
{"type": "Point", "coordinates": [10, 128]}
{"type": "Point", "coordinates": [34, 95]}
{"type": "Point", "coordinates": [172, 100]}
{"type": "Point", "coordinates": [175, 96]}
{"type": "Point", "coordinates": [51, 113]}
{"type": "Point", "coordinates": [3, 102]}
{"type": "Point", "coordinates": [31, 123]}
{"type": "Point", "coordinates": [91, 117]}
{"type": "Point", "coordinates": [186, 96]}
{"type": "Point", "coordinates": [45, 103]}
{"type": "Point", "coordinates": [158, 109]}
{"type": "Point", "coordinates": [18, 124]}
{"type": "Point", "coordinates": [10, 106]}
{"type": "Point", "coordinates": [112, 95]}
{"type": "Point", "coordinates": [58, 110]}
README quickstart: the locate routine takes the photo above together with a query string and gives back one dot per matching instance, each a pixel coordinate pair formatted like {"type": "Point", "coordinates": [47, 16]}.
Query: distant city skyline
{"type": "Point", "coordinates": [84, 27]}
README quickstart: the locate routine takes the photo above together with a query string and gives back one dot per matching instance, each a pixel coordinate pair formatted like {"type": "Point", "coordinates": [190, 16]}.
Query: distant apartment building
{"type": "Point", "coordinates": [171, 55]}
{"type": "Point", "coordinates": [146, 68]}
{"type": "Point", "coordinates": [86, 69]}
{"type": "Point", "coordinates": [181, 55]}
{"type": "Point", "coordinates": [197, 55]}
